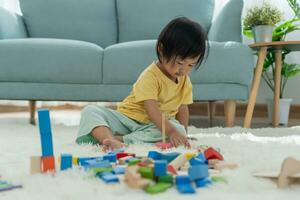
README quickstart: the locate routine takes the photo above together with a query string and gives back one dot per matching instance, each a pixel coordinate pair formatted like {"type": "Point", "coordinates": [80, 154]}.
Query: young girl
{"type": "Point", "coordinates": [163, 87]}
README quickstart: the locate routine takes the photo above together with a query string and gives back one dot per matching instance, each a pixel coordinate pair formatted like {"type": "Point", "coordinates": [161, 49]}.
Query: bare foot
{"type": "Point", "coordinates": [112, 144]}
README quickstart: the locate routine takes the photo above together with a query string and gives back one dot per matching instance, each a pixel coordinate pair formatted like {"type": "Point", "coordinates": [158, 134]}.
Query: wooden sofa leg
{"type": "Point", "coordinates": [32, 107]}
{"type": "Point", "coordinates": [211, 112]}
{"type": "Point", "coordinates": [229, 111]}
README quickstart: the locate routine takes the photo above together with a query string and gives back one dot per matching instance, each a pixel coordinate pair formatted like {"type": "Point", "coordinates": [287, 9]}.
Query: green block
{"type": "Point", "coordinates": [146, 172]}
{"type": "Point", "coordinates": [133, 162]}
{"type": "Point", "coordinates": [166, 178]}
{"type": "Point", "coordinates": [101, 169]}
{"type": "Point", "coordinates": [218, 179]}
{"type": "Point", "coordinates": [158, 187]}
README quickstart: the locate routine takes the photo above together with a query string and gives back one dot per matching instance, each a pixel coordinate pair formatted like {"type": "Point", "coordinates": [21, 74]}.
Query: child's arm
{"type": "Point", "coordinates": [155, 116]}
{"type": "Point", "coordinates": [183, 116]}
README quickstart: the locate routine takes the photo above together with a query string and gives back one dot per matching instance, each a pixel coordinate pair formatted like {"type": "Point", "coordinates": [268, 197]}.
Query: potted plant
{"type": "Point", "coordinates": [288, 69]}
{"type": "Point", "coordinates": [261, 20]}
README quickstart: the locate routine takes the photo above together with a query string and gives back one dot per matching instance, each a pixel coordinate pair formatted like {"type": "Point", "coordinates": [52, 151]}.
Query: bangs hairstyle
{"type": "Point", "coordinates": [182, 38]}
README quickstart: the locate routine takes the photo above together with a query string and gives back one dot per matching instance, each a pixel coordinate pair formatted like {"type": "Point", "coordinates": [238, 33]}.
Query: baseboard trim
{"type": "Point", "coordinates": [196, 109]}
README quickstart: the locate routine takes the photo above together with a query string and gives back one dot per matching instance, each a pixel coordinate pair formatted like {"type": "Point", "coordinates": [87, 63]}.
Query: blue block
{"type": "Point", "coordinates": [110, 178]}
{"type": "Point", "coordinates": [183, 184]}
{"type": "Point", "coordinates": [154, 155]}
{"type": "Point", "coordinates": [198, 172]}
{"type": "Point", "coordinates": [169, 156]}
{"type": "Point", "coordinates": [182, 179]}
{"type": "Point", "coordinates": [186, 189]}
{"type": "Point", "coordinates": [202, 182]}
{"type": "Point", "coordinates": [97, 164]}
{"type": "Point", "coordinates": [160, 167]}
{"type": "Point", "coordinates": [111, 157]}
{"type": "Point", "coordinates": [119, 170]}
{"type": "Point", "coordinates": [82, 160]}
{"type": "Point", "coordinates": [100, 175]}
{"type": "Point", "coordinates": [45, 132]}
{"type": "Point", "coordinates": [202, 157]}
{"type": "Point", "coordinates": [66, 161]}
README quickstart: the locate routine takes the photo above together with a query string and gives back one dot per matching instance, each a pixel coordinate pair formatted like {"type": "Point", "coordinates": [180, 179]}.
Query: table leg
{"type": "Point", "coordinates": [255, 86]}
{"type": "Point", "coordinates": [278, 63]}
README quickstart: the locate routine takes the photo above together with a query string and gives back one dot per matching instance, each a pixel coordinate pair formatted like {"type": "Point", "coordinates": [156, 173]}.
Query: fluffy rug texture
{"type": "Point", "coordinates": [251, 149]}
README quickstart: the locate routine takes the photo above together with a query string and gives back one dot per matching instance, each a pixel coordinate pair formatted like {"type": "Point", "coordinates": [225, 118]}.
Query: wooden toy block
{"type": "Point", "coordinates": [219, 179]}
{"type": "Point", "coordinates": [110, 178]}
{"type": "Point", "coordinates": [45, 132]}
{"type": "Point", "coordinates": [211, 153]}
{"type": "Point", "coordinates": [158, 187]}
{"type": "Point", "coordinates": [183, 184]}
{"type": "Point", "coordinates": [5, 186]}
{"type": "Point", "coordinates": [119, 170]}
{"type": "Point", "coordinates": [124, 154]}
{"type": "Point", "coordinates": [225, 165]}
{"type": "Point", "coordinates": [97, 164]}
{"type": "Point", "coordinates": [100, 170]}
{"type": "Point", "coordinates": [133, 161]}
{"type": "Point", "coordinates": [82, 161]}
{"type": "Point", "coordinates": [111, 157]}
{"type": "Point", "coordinates": [203, 182]}
{"type": "Point", "coordinates": [122, 161]}
{"type": "Point", "coordinates": [179, 161]}
{"type": "Point", "coordinates": [213, 162]}
{"type": "Point", "coordinates": [134, 179]}
{"type": "Point", "coordinates": [168, 178]}
{"type": "Point", "coordinates": [146, 162]}
{"type": "Point", "coordinates": [198, 172]}
{"type": "Point", "coordinates": [75, 161]}
{"type": "Point", "coordinates": [289, 173]}
{"type": "Point", "coordinates": [197, 161]}
{"type": "Point", "coordinates": [154, 155]}
{"type": "Point", "coordinates": [146, 172]}
{"type": "Point", "coordinates": [35, 164]}
{"type": "Point", "coordinates": [66, 161]}
{"type": "Point", "coordinates": [171, 170]}
{"type": "Point", "coordinates": [160, 167]}
{"type": "Point", "coordinates": [48, 164]}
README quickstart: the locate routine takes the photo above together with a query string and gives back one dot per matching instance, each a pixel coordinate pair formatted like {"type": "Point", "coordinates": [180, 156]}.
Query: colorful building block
{"type": "Point", "coordinates": [134, 179]}
{"type": "Point", "coordinates": [45, 132]}
{"type": "Point", "coordinates": [82, 161]}
{"type": "Point", "coordinates": [66, 161]}
{"type": "Point", "coordinates": [111, 157]}
{"type": "Point", "coordinates": [97, 164]}
{"type": "Point", "coordinates": [198, 172]}
{"type": "Point", "coordinates": [158, 188]}
{"type": "Point", "coordinates": [154, 155]}
{"type": "Point", "coordinates": [35, 164]}
{"type": "Point", "coordinates": [168, 178]}
{"type": "Point", "coordinates": [169, 156]}
{"type": "Point", "coordinates": [203, 182]}
{"type": "Point", "coordinates": [146, 172]}
{"type": "Point", "coordinates": [123, 154]}
{"type": "Point", "coordinates": [110, 178]}
{"type": "Point", "coordinates": [160, 167]}
{"type": "Point", "coordinates": [211, 153]}
{"type": "Point", "coordinates": [133, 161]}
{"type": "Point", "coordinates": [119, 170]}
{"type": "Point", "coordinates": [48, 164]}
{"type": "Point", "coordinates": [183, 184]}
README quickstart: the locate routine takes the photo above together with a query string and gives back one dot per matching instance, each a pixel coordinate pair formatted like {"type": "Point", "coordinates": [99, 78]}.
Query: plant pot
{"type": "Point", "coordinates": [263, 33]}
{"type": "Point", "coordinates": [284, 110]}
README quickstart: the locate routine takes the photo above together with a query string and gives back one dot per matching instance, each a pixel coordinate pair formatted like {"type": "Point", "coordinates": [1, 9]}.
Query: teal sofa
{"type": "Point", "coordinates": [94, 50]}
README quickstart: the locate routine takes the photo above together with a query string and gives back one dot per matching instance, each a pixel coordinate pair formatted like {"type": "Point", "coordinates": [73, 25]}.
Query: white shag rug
{"type": "Point", "coordinates": [251, 149]}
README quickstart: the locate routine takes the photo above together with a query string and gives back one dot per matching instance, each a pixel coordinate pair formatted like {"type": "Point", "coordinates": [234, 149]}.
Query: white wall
{"type": "Point", "coordinates": [292, 89]}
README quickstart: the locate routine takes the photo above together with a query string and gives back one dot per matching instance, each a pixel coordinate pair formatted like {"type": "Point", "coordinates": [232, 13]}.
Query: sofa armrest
{"type": "Point", "coordinates": [11, 25]}
{"type": "Point", "coordinates": [227, 24]}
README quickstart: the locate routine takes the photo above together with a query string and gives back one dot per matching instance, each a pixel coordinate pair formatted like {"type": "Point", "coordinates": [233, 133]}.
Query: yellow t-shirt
{"type": "Point", "coordinates": [154, 84]}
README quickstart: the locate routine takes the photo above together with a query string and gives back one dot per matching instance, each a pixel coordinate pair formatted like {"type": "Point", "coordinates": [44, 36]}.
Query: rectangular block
{"type": "Point", "coordinates": [48, 164]}
{"type": "Point", "coordinates": [66, 161]}
{"type": "Point", "coordinates": [45, 132]}
{"type": "Point", "coordinates": [35, 164]}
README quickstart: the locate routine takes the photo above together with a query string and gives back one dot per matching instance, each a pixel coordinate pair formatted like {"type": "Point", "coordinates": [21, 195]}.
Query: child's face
{"type": "Point", "coordinates": [179, 67]}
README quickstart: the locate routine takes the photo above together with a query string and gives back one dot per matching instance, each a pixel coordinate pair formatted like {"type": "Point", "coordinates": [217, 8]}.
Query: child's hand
{"type": "Point", "coordinates": [178, 139]}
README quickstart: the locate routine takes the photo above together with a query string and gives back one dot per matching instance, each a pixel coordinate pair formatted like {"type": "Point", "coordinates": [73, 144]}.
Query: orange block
{"type": "Point", "coordinates": [48, 164]}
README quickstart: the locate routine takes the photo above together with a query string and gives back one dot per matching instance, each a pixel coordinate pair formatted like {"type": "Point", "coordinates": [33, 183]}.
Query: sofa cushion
{"type": "Point", "coordinates": [88, 20]}
{"type": "Point", "coordinates": [124, 62]}
{"type": "Point", "coordinates": [50, 61]}
{"type": "Point", "coordinates": [227, 62]}
{"type": "Point", "coordinates": [144, 19]}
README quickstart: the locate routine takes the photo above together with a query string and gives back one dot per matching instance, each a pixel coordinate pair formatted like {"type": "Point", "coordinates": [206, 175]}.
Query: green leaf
{"type": "Point", "coordinates": [248, 33]}
{"type": "Point", "coordinates": [290, 70]}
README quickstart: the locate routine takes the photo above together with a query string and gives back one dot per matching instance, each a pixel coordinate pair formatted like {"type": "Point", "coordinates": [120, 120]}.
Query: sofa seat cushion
{"type": "Point", "coordinates": [50, 61]}
{"type": "Point", "coordinates": [144, 19]}
{"type": "Point", "coordinates": [124, 62]}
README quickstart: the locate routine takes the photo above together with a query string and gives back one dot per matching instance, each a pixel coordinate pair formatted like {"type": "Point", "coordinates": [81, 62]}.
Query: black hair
{"type": "Point", "coordinates": [182, 38]}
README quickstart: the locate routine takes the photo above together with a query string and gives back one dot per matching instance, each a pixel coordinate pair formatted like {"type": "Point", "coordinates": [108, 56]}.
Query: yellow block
{"type": "Point", "coordinates": [75, 161]}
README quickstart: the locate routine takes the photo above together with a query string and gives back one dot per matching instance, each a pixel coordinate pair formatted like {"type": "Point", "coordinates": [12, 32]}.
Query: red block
{"type": "Point", "coordinates": [211, 153]}
{"type": "Point", "coordinates": [123, 154]}
{"type": "Point", "coordinates": [48, 164]}
{"type": "Point", "coordinates": [163, 145]}
{"type": "Point", "coordinates": [171, 169]}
